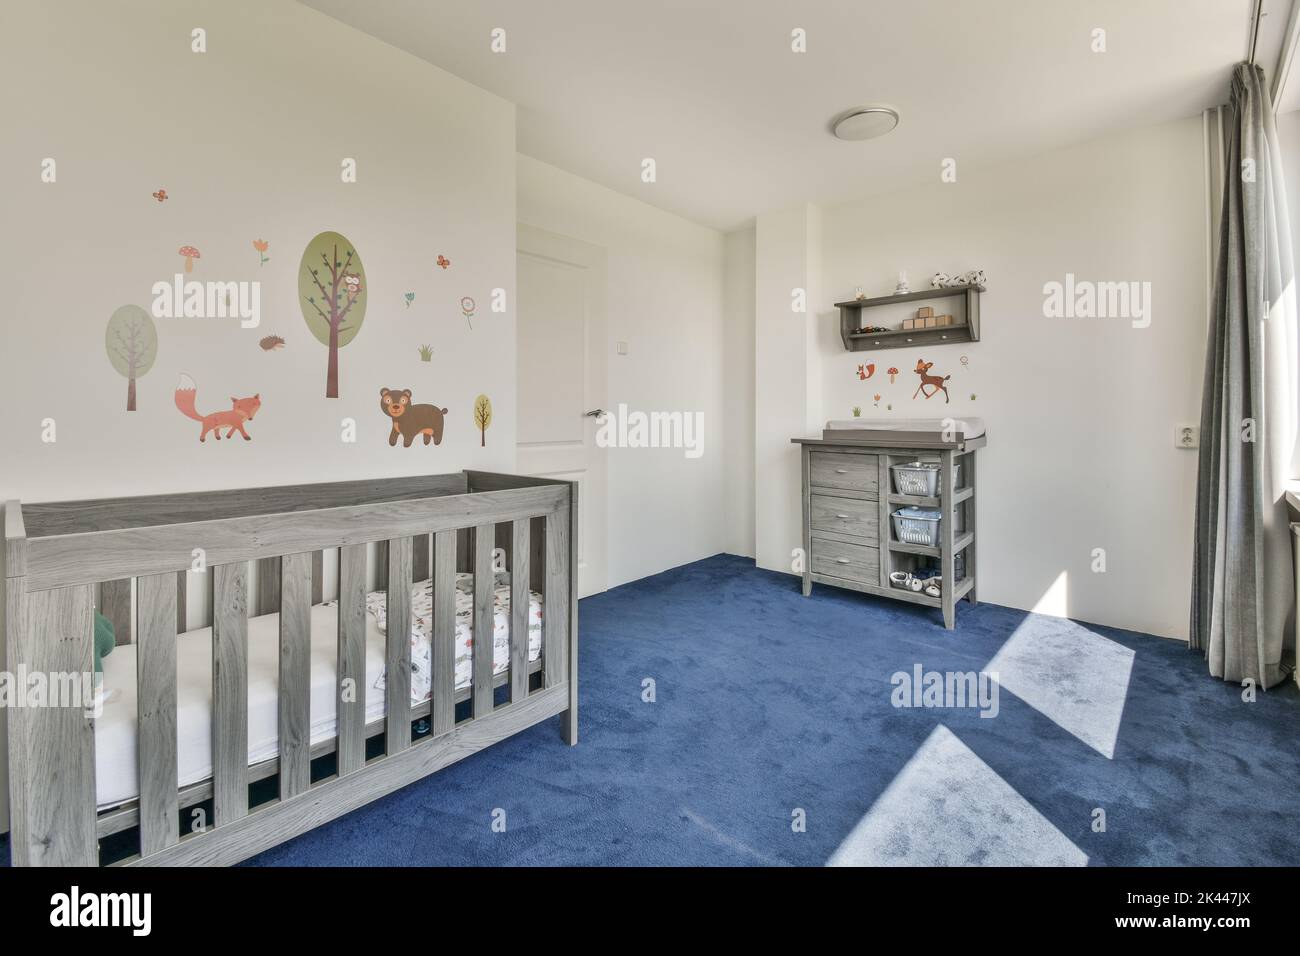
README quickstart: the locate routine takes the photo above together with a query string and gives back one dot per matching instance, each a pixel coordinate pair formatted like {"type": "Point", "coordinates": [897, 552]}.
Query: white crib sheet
{"type": "Point", "coordinates": [116, 776]}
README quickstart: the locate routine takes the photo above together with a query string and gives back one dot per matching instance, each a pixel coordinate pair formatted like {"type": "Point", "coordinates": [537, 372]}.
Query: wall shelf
{"type": "Point", "coordinates": [851, 318]}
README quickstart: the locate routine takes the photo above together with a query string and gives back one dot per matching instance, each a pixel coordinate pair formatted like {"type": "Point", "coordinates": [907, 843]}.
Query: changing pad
{"type": "Point", "coordinates": [967, 427]}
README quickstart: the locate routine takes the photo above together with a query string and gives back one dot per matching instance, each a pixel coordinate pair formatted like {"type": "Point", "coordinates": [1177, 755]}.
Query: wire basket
{"type": "Point", "coordinates": [917, 526]}
{"type": "Point", "coordinates": [921, 478]}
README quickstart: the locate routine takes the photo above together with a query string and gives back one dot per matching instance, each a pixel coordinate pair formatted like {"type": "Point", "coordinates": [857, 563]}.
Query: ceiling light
{"type": "Point", "coordinates": [865, 122]}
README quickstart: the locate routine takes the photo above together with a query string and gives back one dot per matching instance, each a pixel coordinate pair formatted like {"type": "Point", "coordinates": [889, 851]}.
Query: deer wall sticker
{"type": "Point", "coordinates": [935, 383]}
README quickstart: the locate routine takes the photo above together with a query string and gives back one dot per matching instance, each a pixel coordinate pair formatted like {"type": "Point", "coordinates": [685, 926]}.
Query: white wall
{"type": "Point", "coordinates": [1081, 412]}
{"type": "Point", "coordinates": [247, 139]}
{"type": "Point", "coordinates": [738, 389]}
{"type": "Point", "coordinates": [665, 299]}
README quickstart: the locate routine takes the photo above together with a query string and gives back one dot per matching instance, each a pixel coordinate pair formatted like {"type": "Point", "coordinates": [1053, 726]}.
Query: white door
{"type": "Point", "coordinates": [561, 375]}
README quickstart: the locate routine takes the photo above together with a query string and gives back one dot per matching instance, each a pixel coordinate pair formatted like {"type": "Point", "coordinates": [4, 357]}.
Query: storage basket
{"type": "Point", "coordinates": [917, 526]}
{"type": "Point", "coordinates": [921, 478]}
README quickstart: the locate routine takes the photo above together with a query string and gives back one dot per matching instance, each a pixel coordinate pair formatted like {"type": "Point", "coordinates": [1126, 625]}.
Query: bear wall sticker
{"type": "Point", "coordinates": [232, 419]}
{"type": "Point", "coordinates": [409, 420]}
{"type": "Point", "coordinates": [131, 341]}
{"type": "Point", "coordinates": [332, 295]}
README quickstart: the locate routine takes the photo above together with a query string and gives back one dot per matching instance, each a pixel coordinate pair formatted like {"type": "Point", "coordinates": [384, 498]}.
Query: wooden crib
{"type": "Point", "coordinates": [58, 557]}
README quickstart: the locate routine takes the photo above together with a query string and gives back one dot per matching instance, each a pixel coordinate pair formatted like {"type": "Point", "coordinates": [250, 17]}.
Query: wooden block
{"type": "Point", "coordinates": [909, 324]}
{"type": "Point", "coordinates": [924, 312]}
{"type": "Point", "coordinates": [931, 322]}
{"type": "Point", "coordinates": [942, 320]}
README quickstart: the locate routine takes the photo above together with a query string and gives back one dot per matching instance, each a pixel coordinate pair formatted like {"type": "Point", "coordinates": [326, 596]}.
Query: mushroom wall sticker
{"type": "Point", "coordinates": [893, 374]}
{"type": "Point", "coordinates": [332, 294]}
{"type": "Point", "coordinates": [190, 254]}
{"type": "Point", "coordinates": [131, 341]}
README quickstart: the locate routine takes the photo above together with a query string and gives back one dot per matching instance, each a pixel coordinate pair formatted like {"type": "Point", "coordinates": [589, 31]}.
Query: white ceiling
{"type": "Point", "coordinates": [738, 124]}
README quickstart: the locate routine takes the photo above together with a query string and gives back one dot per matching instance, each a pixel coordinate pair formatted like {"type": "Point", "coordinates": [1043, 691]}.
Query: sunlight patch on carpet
{"type": "Point", "coordinates": [947, 807]}
{"type": "Point", "coordinates": [1077, 679]}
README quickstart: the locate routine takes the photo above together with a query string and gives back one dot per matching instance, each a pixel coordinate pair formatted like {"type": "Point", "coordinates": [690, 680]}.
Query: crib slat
{"type": "Point", "coordinates": [481, 650]}
{"type": "Point", "coordinates": [115, 604]}
{"type": "Point", "coordinates": [268, 585]}
{"type": "Point", "coordinates": [519, 611]}
{"type": "Point", "coordinates": [352, 659]}
{"type": "Point", "coordinates": [420, 565]}
{"type": "Point", "coordinates": [182, 596]}
{"type": "Point", "coordinates": [229, 693]}
{"type": "Point", "coordinates": [295, 674]}
{"type": "Point", "coordinates": [317, 577]}
{"type": "Point", "coordinates": [397, 705]}
{"type": "Point", "coordinates": [156, 711]}
{"type": "Point", "coordinates": [444, 632]}
{"type": "Point", "coordinates": [555, 610]}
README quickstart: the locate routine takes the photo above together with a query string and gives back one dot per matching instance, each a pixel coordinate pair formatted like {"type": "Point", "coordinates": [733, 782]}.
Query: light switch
{"type": "Point", "coordinates": [1187, 436]}
{"type": "Point", "coordinates": [621, 348]}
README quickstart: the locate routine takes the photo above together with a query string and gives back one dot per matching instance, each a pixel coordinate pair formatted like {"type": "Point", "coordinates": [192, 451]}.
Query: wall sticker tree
{"type": "Point", "coordinates": [131, 341]}
{"type": "Point", "coordinates": [332, 295]}
{"type": "Point", "coordinates": [482, 418]}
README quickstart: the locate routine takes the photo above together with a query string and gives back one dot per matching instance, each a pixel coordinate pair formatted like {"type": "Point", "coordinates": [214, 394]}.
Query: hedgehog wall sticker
{"type": "Point", "coordinates": [271, 342]}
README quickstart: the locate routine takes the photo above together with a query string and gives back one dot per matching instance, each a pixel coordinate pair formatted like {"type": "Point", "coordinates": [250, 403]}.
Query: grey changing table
{"type": "Point", "coordinates": [848, 500]}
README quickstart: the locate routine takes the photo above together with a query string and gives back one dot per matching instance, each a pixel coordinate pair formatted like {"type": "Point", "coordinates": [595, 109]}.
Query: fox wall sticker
{"type": "Point", "coordinates": [232, 419]}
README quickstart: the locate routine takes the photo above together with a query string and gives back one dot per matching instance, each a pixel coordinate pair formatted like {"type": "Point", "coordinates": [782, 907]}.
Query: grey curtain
{"type": "Point", "coordinates": [1242, 583]}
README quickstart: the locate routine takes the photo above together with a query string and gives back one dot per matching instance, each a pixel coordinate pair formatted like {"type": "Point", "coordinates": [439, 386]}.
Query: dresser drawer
{"type": "Point", "coordinates": [850, 472]}
{"type": "Point", "coordinates": [856, 562]}
{"type": "Point", "coordinates": [854, 516]}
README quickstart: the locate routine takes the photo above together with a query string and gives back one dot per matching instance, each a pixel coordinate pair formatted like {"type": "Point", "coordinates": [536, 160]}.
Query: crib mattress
{"type": "Point", "coordinates": [116, 775]}
{"type": "Point", "coordinates": [968, 427]}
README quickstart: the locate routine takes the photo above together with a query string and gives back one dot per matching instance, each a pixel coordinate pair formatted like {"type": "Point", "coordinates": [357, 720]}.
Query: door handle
{"type": "Point", "coordinates": [841, 516]}
{"type": "Point", "coordinates": [841, 471]}
{"type": "Point", "coordinates": [595, 413]}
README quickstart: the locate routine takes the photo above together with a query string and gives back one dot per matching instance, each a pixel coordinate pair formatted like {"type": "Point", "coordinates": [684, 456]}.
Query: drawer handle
{"type": "Point", "coordinates": [841, 516]}
{"type": "Point", "coordinates": [841, 471]}
{"type": "Point", "coordinates": [843, 561]}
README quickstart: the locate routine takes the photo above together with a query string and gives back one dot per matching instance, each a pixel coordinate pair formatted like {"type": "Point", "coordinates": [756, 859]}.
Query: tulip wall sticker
{"type": "Point", "coordinates": [261, 245]}
{"type": "Point", "coordinates": [332, 295]}
{"type": "Point", "coordinates": [482, 418]}
{"type": "Point", "coordinates": [467, 308]}
{"type": "Point", "coordinates": [131, 341]}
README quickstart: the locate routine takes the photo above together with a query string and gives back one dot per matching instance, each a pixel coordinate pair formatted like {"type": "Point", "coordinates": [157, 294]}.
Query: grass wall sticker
{"type": "Point", "coordinates": [482, 418]}
{"type": "Point", "coordinates": [232, 419]}
{"type": "Point", "coordinates": [409, 297]}
{"type": "Point", "coordinates": [426, 353]}
{"type": "Point", "coordinates": [131, 341]}
{"type": "Point", "coordinates": [410, 420]}
{"type": "Point", "coordinates": [332, 295]}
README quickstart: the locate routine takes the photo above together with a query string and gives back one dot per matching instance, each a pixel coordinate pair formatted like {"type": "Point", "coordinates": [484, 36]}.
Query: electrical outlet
{"type": "Point", "coordinates": [1187, 436]}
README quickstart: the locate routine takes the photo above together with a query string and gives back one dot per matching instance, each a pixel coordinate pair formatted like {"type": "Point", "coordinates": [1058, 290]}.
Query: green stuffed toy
{"type": "Point", "coordinates": [105, 640]}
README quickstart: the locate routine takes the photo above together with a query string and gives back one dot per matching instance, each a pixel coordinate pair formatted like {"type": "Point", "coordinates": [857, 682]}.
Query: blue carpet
{"type": "Point", "coordinates": [768, 703]}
